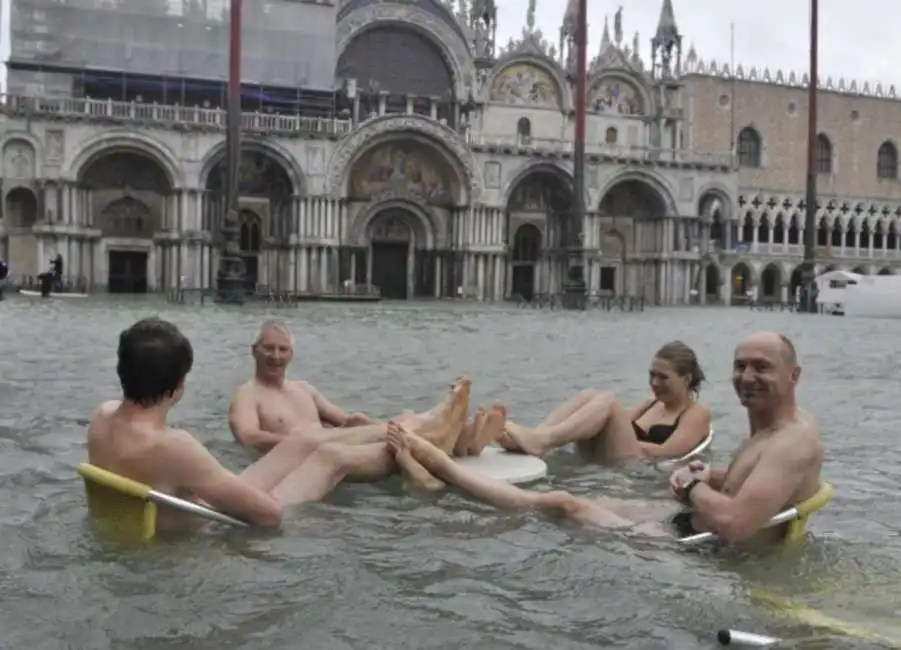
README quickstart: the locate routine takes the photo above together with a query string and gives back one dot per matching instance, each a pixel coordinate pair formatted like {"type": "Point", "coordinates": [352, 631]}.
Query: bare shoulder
{"type": "Point", "coordinates": [105, 409]}
{"type": "Point", "coordinates": [699, 409]}
{"type": "Point", "coordinates": [246, 390]}
{"type": "Point", "coordinates": [304, 386]}
{"type": "Point", "coordinates": [798, 440]}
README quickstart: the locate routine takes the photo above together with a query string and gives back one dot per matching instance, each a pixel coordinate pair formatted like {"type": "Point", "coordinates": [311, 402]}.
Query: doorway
{"type": "Point", "coordinates": [524, 281]}
{"type": "Point", "coordinates": [127, 272]}
{"type": "Point", "coordinates": [389, 269]}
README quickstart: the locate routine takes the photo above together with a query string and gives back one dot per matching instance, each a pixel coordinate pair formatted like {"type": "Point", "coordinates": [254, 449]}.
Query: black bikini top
{"type": "Point", "coordinates": [657, 434]}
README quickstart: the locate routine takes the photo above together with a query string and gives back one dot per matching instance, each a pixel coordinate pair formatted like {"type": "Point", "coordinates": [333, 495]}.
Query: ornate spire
{"type": "Point", "coordinates": [667, 30]}
{"type": "Point", "coordinates": [605, 38]}
{"type": "Point", "coordinates": [666, 43]}
{"type": "Point", "coordinates": [530, 16]}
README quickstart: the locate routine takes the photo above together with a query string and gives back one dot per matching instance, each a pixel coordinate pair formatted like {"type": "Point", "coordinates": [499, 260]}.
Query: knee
{"type": "Point", "coordinates": [332, 454]}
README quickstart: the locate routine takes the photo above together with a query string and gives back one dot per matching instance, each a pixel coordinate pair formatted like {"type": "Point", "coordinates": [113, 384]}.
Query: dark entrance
{"type": "Point", "coordinates": [526, 250]}
{"type": "Point", "coordinates": [524, 281]}
{"type": "Point", "coordinates": [127, 272]}
{"type": "Point", "coordinates": [389, 269]}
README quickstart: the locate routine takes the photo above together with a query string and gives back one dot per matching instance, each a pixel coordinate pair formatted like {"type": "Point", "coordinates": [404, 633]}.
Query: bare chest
{"type": "Point", "coordinates": [281, 411]}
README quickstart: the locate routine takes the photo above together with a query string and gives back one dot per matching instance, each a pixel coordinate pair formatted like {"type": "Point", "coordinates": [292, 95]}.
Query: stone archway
{"type": "Point", "coordinates": [265, 200]}
{"type": "Point", "coordinates": [21, 208]}
{"type": "Point", "coordinates": [771, 283]}
{"type": "Point", "coordinates": [130, 200]}
{"type": "Point", "coordinates": [795, 282]}
{"type": "Point", "coordinates": [711, 284]}
{"type": "Point", "coordinates": [860, 270]}
{"type": "Point", "coordinates": [886, 270]}
{"type": "Point", "coordinates": [395, 234]}
{"type": "Point", "coordinates": [742, 282]}
{"type": "Point", "coordinates": [524, 258]}
{"type": "Point", "coordinates": [542, 199]}
{"type": "Point", "coordinates": [713, 208]}
{"type": "Point", "coordinates": [638, 209]}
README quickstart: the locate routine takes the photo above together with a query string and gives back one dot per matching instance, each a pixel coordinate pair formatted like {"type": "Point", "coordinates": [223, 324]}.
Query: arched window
{"type": "Point", "coordinates": [612, 136]}
{"type": "Point", "coordinates": [823, 154]}
{"type": "Point", "coordinates": [749, 147]}
{"type": "Point", "coordinates": [524, 130]}
{"type": "Point", "coordinates": [887, 161]}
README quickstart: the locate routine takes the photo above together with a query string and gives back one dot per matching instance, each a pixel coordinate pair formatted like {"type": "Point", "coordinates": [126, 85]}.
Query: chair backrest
{"type": "Point", "coordinates": [796, 529]}
{"type": "Point", "coordinates": [118, 506]}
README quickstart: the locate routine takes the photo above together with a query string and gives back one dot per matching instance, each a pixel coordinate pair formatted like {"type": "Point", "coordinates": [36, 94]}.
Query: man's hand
{"type": "Point", "coordinates": [695, 470]}
{"type": "Point", "coordinates": [358, 419]}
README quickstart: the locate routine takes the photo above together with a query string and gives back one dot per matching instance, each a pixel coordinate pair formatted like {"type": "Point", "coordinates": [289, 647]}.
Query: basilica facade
{"type": "Point", "coordinates": [445, 167]}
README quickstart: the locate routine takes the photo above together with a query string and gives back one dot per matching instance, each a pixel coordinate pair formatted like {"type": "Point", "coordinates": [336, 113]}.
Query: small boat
{"type": "Point", "coordinates": [37, 294]}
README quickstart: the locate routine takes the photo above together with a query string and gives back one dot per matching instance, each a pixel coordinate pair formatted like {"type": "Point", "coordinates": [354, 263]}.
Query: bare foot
{"type": "Point", "coordinates": [470, 433]}
{"type": "Point", "coordinates": [415, 475]}
{"type": "Point", "coordinates": [492, 431]}
{"type": "Point", "coordinates": [450, 422]}
{"type": "Point", "coordinates": [523, 440]}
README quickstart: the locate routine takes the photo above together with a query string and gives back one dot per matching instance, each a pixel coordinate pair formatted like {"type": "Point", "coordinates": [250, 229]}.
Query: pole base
{"type": "Point", "coordinates": [230, 285]}
{"type": "Point", "coordinates": [575, 290]}
{"type": "Point", "coordinates": [807, 300]}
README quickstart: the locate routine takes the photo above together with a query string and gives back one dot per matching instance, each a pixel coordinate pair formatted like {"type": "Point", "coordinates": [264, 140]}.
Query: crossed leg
{"type": "Point", "coordinates": [499, 493]}
{"type": "Point", "coordinates": [595, 421]}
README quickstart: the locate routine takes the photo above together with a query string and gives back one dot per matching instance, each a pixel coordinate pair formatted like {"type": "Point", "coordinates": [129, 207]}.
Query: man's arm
{"type": "Point", "coordinates": [194, 469]}
{"type": "Point", "coordinates": [244, 422]}
{"type": "Point", "coordinates": [773, 482]}
{"type": "Point", "coordinates": [694, 425]}
{"type": "Point", "coordinates": [328, 412]}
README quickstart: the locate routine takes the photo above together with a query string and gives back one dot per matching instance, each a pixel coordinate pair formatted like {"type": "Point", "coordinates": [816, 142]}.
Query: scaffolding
{"type": "Point", "coordinates": [174, 48]}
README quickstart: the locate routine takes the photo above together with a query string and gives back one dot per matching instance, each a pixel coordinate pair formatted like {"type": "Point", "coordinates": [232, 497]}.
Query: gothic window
{"type": "Point", "coordinates": [126, 217]}
{"type": "Point", "coordinates": [251, 233]}
{"type": "Point", "coordinates": [887, 161]}
{"type": "Point", "coordinates": [749, 147]}
{"type": "Point", "coordinates": [612, 136]}
{"type": "Point", "coordinates": [524, 130]}
{"type": "Point", "coordinates": [823, 154]}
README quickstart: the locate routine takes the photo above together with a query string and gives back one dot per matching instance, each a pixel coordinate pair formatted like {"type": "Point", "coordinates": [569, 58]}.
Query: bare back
{"type": "Point", "coordinates": [141, 452]}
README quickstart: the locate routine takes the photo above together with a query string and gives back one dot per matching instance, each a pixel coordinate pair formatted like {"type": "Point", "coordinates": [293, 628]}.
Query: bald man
{"type": "Point", "coordinates": [777, 466]}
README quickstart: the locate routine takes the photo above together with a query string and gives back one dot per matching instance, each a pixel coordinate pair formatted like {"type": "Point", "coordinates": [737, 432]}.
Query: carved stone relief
{"type": "Point", "coordinates": [56, 146]}
{"type": "Point", "coordinates": [493, 174]}
{"type": "Point", "coordinates": [352, 145]}
{"type": "Point", "coordinates": [390, 229]}
{"type": "Point", "coordinates": [614, 95]}
{"type": "Point", "coordinates": [525, 85]}
{"type": "Point", "coordinates": [123, 170]}
{"type": "Point", "coordinates": [18, 160]}
{"type": "Point", "coordinates": [612, 246]}
{"type": "Point", "coordinates": [456, 50]}
{"type": "Point", "coordinates": [127, 217]}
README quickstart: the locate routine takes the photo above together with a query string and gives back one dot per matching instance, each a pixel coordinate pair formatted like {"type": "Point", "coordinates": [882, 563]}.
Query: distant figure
{"type": "Point", "coordinates": [4, 273]}
{"type": "Point", "coordinates": [56, 269]}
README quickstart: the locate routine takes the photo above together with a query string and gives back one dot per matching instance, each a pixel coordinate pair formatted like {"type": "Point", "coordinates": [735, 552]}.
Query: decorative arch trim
{"type": "Point", "coordinates": [529, 169]}
{"type": "Point", "coordinates": [256, 144]}
{"type": "Point", "coordinates": [650, 179]}
{"type": "Point", "coordinates": [129, 141]}
{"type": "Point", "coordinates": [424, 226]}
{"type": "Point", "coordinates": [449, 43]}
{"type": "Point", "coordinates": [750, 278]}
{"type": "Point", "coordinates": [390, 127]}
{"type": "Point", "coordinates": [564, 91]}
{"type": "Point", "coordinates": [719, 191]}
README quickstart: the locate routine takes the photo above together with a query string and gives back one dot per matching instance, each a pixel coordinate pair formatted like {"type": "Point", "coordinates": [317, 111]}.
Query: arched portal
{"type": "Point", "coordinates": [130, 196]}
{"type": "Point", "coordinates": [860, 270]}
{"type": "Point", "coordinates": [394, 234]}
{"type": "Point", "coordinates": [771, 282]}
{"type": "Point", "coordinates": [711, 284]}
{"type": "Point", "coordinates": [742, 281]}
{"type": "Point", "coordinates": [524, 258]}
{"type": "Point", "coordinates": [886, 270]}
{"type": "Point", "coordinates": [392, 62]}
{"type": "Point", "coordinates": [543, 200]}
{"type": "Point", "coordinates": [642, 208]}
{"type": "Point", "coordinates": [21, 208]}
{"type": "Point", "coordinates": [265, 193]}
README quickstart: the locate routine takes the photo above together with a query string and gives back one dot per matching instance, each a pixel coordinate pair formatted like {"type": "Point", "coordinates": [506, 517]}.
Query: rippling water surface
{"type": "Point", "coordinates": [375, 568]}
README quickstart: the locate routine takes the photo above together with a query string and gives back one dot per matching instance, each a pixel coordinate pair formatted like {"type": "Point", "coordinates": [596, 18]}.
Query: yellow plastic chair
{"type": "Point", "coordinates": [796, 518]}
{"type": "Point", "coordinates": [126, 510]}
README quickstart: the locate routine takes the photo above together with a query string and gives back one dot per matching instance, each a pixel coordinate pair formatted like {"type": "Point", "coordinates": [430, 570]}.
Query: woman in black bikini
{"type": "Point", "coordinates": [668, 425]}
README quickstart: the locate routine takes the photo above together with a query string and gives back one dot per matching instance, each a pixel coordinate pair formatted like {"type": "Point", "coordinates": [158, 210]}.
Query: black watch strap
{"type": "Point", "coordinates": [686, 491]}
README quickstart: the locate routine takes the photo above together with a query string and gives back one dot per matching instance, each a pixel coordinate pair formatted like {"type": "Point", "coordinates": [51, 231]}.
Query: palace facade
{"type": "Point", "coordinates": [443, 164]}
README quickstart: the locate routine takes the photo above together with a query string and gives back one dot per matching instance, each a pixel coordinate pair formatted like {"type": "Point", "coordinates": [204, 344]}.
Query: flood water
{"type": "Point", "coordinates": [373, 567]}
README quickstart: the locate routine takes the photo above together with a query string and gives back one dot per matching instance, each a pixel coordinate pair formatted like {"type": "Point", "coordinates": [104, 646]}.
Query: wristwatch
{"type": "Point", "coordinates": [686, 491]}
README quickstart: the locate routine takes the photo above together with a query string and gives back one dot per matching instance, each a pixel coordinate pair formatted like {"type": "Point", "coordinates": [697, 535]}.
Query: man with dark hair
{"type": "Point", "coordinates": [130, 437]}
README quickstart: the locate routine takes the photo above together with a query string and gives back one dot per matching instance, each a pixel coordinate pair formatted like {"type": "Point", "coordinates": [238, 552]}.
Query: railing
{"type": "Point", "coordinates": [824, 252]}
{"type": "Point", "coordinates": [83, 108]}
{"type": "Point", "coordinates": [647, 154]}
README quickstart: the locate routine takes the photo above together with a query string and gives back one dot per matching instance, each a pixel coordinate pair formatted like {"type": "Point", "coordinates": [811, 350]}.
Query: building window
{"type": "Point", "coordinates": [612, 136]}
{"type": "Point", "coordinates": [749, 147]}
{"type": "Point", "coordinates": [524, 130]}
{"type": "Point", "coordinates": [887, 161]}
{"type": "Point", "coordinates": [824, 154]}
